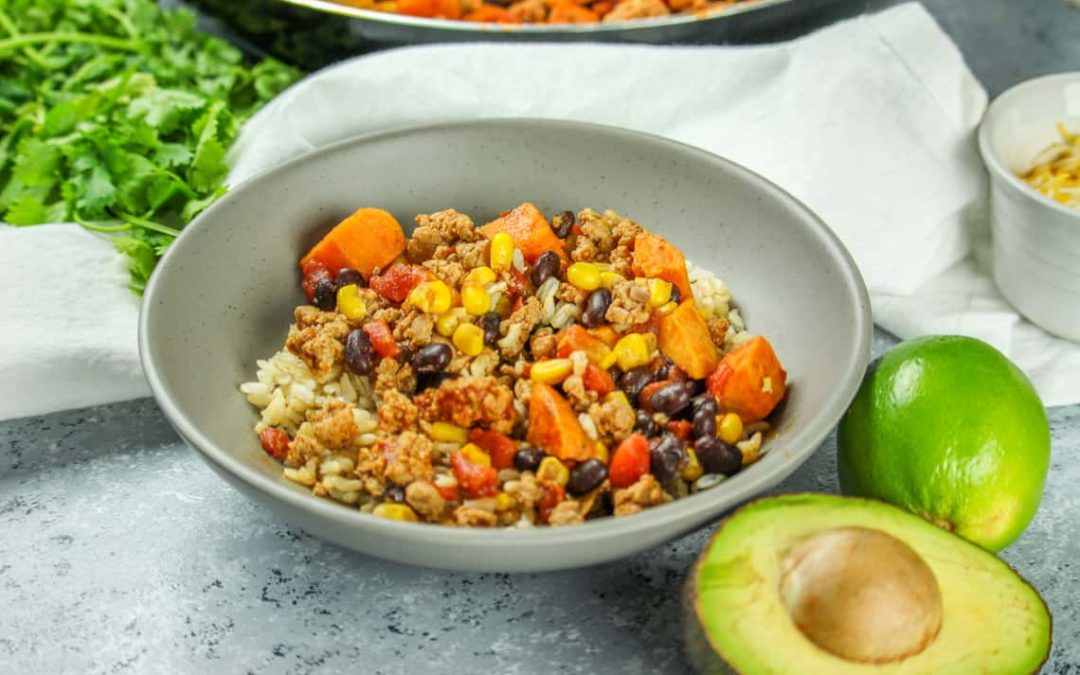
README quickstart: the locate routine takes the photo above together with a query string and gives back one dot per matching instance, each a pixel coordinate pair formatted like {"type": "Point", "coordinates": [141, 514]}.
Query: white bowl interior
{"type": "Point", "coordinates": [1023, 121]}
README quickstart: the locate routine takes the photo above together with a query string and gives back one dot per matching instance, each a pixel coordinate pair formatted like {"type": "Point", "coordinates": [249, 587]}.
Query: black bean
{"type": "Point", "coordinates": [563, 224]}
{"type": "Point", "coordinates": [528, 459]}
{"type": "Point", "coordinates": [586, 477]}
{"type": "Point", "coordinates": [704, 422]}
{"type": "Point", "coordinates": [545, 267]}
{"type": "Point", "coordinates": [347, 275]}
{"type": "Point", "coordinates": [694, 387]}
{"type": "Point", "coordinates": [359, 354]}
{"type": "Point", "coordinates": [596, 306]}
{"type": "Point", "coordinates": [394, 493]}
{"type": "Point", "coordinates": [431, 380]}
{"type": "Point", "coordinates": [432, 358]}
{"type": "Point", "coordinates": [634, 380]}
{"type": "Point", "coordinates": [326, 295]}
{"type": "Point", "coordinates": [670, 399]}
{"type": "Point", "coordinates": [645, 423]}
{"type": "Point", "coordinates": [717, 456]}
{"type": "Point", "coordinates": [705, 400]}
{"type": "Point", "coordinates": [667, 457]}
{"type": "Point", "coordinates": [490, 323]}
{"type": "Point", "coordinates": [663, 368]}
{"type": "Point", "coordinates": [676, 294]}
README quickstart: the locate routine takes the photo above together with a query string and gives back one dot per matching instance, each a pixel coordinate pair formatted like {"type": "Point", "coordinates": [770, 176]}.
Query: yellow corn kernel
{"type": "Point", "coordinates": [551, 371]}
{"type": "Point", "coordinates": [433, 297]}
{"type": "Point", "coordinates": [480, 276]}
{"type": "Point", "coordinates": [609, 360]}
{"type": "Point", "coordinates": [631, 351]}
{"type": "Point", "coordinates": [447, 322]}
{"type": "Point", "coordinates": [475, 299]}
{"type": "Point", "coordinates": [350, 303]}
{"type": "Point", "coordinates": [551, 470]}
{"type": "Point", "coordinates": [659, 292]}
{"type": "Point", "coordinates": [617, 395]}
{"type": "Point", "coordinates": [444, 432]}
{"type": "Point", "coordinates": [729, 428]}
{"type": "Point", "coordinates": [469, 338]}
{"type": "Point", "coordinates": [474, 454]}
{"type": "Point", "coordinates": [601, 452]}
{"type": "Point", "coordinates": [585, 276]}
{"type": "Point", "coordinates": [501, 254]}
{"type": "Point", "coordinates": [395, 511]}
{"type": "Point", "coordinates": [608, 278]}
{"type": "Point", "coordinates": [693, 469]}
{"type": "Point", "coordinates": [504, 502]}
{"type": "Point", "coordinates": [667, 308]}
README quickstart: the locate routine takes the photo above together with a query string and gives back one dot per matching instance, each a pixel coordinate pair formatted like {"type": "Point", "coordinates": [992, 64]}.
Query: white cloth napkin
{"type": "Point", "coordinates": [870, 122]}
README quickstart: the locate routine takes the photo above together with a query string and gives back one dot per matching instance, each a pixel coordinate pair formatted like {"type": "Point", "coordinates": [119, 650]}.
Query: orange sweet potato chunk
{"type": "Point", "coordinates": [554, 427]}
{"type": "Point", "coordinates": [684, 338]}
{"type": "Point", "coordinates": [367, 240]}
{"type": "Point", "coordinates": [530, 230]}
{"type": "Point", "coordinates": [749, 381]}
{"type": "Point", "coordinates": [656, 257]}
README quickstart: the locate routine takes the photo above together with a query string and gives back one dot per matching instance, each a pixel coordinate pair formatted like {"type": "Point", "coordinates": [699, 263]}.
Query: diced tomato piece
{"type": "Point", "coordinates": [450, 493]}
{"type": "Point", "coordinates": [516, 283]}
{"type": "Point", "coordinates": [598, 380]}
{"type": "Point", "coordinates": [395, 283]}
{"type": "Point", "coordinates": [681, 429]}
{"type": "Point", "coordinates": [477, 481]}
{"type": "Point", "coordinates": [630, 461]}
{"type": "Point", "coordinates": [275, 442]}
{"type": "Point", "coordinates": [498, 446]}
{"type": "Point", "coordinates": [313, 272]}
{"type": "Point", "coordinates": [550, 496]}
{"type": "Point", "coordinates": [382, 339]}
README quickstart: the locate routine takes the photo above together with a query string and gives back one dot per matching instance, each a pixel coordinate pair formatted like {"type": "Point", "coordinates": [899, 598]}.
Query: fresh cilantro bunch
{"type": "Point", "coordinates": [117, 115]}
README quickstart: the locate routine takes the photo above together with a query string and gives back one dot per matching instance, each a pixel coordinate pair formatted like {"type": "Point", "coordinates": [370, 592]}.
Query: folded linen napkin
{"type": "Point", "coordinates": [869, 122]}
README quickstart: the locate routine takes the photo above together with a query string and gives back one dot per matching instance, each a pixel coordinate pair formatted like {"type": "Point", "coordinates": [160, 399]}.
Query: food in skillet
{"type": "Point", "coordinates": [543, 11]}
{"type": "Point", "coordinates": [521, 373]}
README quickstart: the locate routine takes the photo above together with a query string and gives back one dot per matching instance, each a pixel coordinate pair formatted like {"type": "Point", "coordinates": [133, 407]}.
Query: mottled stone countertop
{"type": "Point", "coordinates": [120, 550]}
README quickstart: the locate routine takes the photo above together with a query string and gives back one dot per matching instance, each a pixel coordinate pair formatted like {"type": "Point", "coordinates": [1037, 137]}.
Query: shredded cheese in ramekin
{"type": "Point", "coordinates": [1056, 171]}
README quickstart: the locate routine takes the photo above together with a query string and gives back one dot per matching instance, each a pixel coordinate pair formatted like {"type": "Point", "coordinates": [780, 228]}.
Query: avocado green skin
{"type": "Point", "coordinates": [951, 430]}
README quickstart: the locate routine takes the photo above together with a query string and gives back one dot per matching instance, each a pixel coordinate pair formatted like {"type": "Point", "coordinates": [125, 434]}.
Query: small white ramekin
{"type": "Point", "coordinates": [1036, 254]}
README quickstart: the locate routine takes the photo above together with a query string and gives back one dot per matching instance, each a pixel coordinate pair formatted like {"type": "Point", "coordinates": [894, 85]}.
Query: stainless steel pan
{"type": "Point", "coordinates": [752, 20]}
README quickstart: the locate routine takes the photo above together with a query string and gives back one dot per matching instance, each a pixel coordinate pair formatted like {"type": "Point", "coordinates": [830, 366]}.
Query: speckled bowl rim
{"type": "Point", "coordinates": [1006, 178]}
{"type": "Point", "coordinates": [678, 516]}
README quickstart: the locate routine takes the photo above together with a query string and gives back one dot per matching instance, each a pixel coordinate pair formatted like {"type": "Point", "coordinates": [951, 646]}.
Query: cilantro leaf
{"type": "Point", "coordinates": [134, 130]}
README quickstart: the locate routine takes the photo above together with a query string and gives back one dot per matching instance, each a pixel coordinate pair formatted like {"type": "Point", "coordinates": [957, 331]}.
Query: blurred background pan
{"type": "Point", "coordinates": [312, 33]}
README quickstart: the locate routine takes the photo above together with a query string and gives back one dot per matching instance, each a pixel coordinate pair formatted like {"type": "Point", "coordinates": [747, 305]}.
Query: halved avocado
{"type": "Point", "coordinates": [823, 584]}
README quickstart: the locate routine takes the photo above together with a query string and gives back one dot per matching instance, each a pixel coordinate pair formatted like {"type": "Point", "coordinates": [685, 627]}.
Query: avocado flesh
{"type": "Point", "coordinates": [993, 621]}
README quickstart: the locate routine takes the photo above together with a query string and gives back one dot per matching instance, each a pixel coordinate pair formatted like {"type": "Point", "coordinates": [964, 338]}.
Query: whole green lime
{"type": "Point", "coordinates": [950, 429]}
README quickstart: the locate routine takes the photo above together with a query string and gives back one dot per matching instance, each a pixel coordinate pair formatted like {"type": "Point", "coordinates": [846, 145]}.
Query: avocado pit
{"type": "Point", "coordinates": [861, 594]}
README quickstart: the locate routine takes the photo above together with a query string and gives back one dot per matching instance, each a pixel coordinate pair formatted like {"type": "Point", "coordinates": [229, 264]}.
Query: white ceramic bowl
{"type": "Point", "coordinates": [223, 296]}
{"type": "Point", "coordinates": [1036, 240]}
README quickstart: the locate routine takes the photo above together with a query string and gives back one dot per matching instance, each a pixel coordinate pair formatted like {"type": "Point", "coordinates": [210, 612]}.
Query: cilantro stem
{"type": "Point", "coordinates": [7, 24]}
{"type": "Point", "coordinates": [82, 38]}
{"type": "Point", "coordinates": [124, 22]}
{"type": "Point", "coordinates": [149, 225]}
{"type": "Point", "coordinates": [106, 229]}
